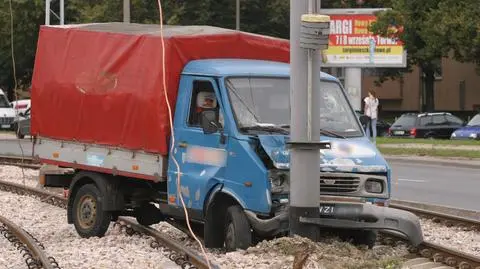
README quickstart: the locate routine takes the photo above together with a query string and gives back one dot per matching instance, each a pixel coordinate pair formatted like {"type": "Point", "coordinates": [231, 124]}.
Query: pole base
{"type": "Point", "coordinates": [302, 229]}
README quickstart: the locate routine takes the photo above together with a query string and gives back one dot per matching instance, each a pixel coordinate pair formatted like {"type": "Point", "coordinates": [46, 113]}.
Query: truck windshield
{"type": "Point", "coordinates": [264, 103]}
{"type": "Point", "coordinates": [3, 101]}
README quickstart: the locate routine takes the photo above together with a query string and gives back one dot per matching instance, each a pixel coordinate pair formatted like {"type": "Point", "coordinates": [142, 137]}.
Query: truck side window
{"type": "Point", "coordinates": [203, 99]}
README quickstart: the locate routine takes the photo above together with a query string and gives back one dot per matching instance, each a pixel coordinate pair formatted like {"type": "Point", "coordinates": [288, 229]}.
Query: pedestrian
{"type": "Point", "coordinates": [371, 111]}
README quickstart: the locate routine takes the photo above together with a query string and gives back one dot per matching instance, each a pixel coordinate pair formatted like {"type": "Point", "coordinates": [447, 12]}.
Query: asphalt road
{"type": "Point", "coordinates": [12, 147]}
{"type": "Point", "coordinates": [436, 184]}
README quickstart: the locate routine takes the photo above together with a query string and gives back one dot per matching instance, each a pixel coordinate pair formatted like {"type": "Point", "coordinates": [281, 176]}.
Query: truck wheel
{"type": "Point", "coordinates": [20, 135]}
{"type": "Point", "coordinates": [88, 217]}
{"type": "Point", "coordinates": [237, 229]}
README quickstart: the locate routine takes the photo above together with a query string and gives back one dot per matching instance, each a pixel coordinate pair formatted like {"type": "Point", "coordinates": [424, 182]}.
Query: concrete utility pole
{"type": "Point", "coordinates": [126, 11]}
{"type": "Point", "coordinates": [307, 34]}
{"type": "Point", "coordinates": [237, 17]}
{"type": "Point", "coordinates": [47, 12]}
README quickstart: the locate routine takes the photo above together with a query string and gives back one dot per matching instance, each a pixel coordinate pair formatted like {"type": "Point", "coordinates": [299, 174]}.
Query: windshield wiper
{"type": "Point", "coordinates": [331, 134]}
{"type": "Point", "coordinates": [265, 128]}
{"type": "Point", "coordinates": [322, 131]}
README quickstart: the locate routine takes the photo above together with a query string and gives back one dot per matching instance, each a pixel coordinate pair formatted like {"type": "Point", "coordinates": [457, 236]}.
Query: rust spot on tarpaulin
{"type": "Point", "coordinates": [248, 184]}
{"type": "Point", "coordinates": [56, 155]}
{"type": "Point", "coordinates": [96, 82]}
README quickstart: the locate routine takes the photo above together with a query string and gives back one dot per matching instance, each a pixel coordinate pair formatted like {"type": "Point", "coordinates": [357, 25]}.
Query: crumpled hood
{"type": "Point", "coordinates": [345, 155]}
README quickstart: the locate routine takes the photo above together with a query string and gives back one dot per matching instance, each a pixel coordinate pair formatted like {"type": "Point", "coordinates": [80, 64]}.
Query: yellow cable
{"type": "Point", "coordinates": [179, 192]}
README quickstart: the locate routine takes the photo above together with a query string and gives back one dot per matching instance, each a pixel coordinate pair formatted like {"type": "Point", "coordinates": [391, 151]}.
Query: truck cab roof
{"type": "Point", "coordinates": [241, 67]}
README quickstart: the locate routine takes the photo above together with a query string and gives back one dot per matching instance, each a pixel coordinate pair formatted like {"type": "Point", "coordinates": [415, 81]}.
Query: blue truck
{"type": "Point", "coordinates": [231, 125]}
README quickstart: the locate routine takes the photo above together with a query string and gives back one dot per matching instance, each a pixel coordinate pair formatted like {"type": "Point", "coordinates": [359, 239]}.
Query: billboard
{"type": "Point", "coordinates": [351, 44]}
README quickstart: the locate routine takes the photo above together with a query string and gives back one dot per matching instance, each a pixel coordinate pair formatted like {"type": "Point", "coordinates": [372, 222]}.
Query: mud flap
{"type": "Point", "coordinates": [371, 217]}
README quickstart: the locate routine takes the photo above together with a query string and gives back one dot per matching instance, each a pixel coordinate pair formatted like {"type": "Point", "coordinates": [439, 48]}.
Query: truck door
{"type": "Point", "coordinates": [201, 157]}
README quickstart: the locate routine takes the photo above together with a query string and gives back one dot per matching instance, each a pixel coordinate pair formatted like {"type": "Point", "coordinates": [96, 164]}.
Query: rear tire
{"type": "Point", "coordinates": [88, 217]}
{"type": "Point", "coordinates": [237, 229]}
{"type": "Point", "coordinates": [20, 136]}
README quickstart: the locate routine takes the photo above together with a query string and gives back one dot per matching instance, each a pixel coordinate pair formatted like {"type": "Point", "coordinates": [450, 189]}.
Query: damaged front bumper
{"type": "Point", "coordinates": [347, 216]}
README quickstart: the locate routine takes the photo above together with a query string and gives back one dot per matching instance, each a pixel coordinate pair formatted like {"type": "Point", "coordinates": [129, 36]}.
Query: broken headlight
{"type": "Point", "coordinates": [279, 180]}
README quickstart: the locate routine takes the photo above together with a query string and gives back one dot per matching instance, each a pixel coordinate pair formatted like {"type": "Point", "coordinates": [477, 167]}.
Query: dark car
{"type": "Point", "coordinates": [471, 131]}
{"type": "Point", "coordinates": [382, 126]}
{"type": "Point", "coordinates": [425, 125]}
{"type": "Point", "coordinates": [23, 124]}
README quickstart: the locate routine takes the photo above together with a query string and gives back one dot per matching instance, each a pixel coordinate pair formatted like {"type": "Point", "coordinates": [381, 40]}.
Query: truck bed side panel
{"type": "Point", "coordinates": [101, 159]}
{"type": "Point", "coordinates": [102, 83]}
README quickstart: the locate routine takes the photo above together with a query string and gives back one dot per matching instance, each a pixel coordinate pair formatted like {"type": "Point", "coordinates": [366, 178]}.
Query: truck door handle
{"type": "Point", "coordinates": [182, 144]}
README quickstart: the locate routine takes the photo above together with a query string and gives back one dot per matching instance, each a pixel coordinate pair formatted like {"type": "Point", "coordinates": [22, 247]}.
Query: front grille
{"type": "Point", "coordinates": [6, 120]}
{"type": "Point", "coordinates": [338, 184]}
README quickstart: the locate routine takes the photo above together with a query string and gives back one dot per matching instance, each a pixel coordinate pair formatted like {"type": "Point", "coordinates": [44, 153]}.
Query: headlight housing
{"type": "Point", "coordinates": [373, 186]}
{"type": "Point", "coordinates": [474, 136]}
{"type": "Point", "coordinates": [279, 180]}
{"type": "Point", "coordinates": [453, 135]}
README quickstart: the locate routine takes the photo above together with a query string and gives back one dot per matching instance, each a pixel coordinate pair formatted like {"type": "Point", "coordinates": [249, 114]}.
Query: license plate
{"type": "Point", "coordinates": [399, 132]}
{"type": "Point", "coordinates": [5, 126]}
{"type": "Point", "coordinates": [327, 209]}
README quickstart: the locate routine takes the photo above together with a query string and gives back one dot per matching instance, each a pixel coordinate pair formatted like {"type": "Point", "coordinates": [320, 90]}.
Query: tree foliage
{"type": "Point", "coordinates": [432, 29]}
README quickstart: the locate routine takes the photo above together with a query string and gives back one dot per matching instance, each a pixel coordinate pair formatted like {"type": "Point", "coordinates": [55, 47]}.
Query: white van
{"type": "Point", "coordinates": [7, 113]}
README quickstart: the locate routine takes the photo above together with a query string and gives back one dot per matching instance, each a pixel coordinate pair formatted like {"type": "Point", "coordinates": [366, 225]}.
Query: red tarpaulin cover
{"type": "Point", "coordinates": [102, 83]}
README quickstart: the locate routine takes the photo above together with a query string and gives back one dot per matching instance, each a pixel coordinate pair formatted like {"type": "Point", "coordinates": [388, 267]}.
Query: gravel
{"type": "Point", "coordinates": [48, 224]}
{"type": "Point", "coordinates": [116, 248]}
{"type": "Point", "coordinates": [459, 238]}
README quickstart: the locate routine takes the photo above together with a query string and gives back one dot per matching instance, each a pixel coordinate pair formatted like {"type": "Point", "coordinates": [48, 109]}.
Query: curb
{"type": "Point", "coordinates": [442, 162]}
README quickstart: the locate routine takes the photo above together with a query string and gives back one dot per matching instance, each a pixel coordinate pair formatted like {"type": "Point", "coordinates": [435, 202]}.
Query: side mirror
{"type": "Point", "coordinates": [208, 122]}
{"type": "Point", "coordinates": [364, 120]}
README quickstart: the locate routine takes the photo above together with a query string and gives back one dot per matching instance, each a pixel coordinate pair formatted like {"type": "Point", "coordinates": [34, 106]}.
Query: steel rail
{"type": "Point", "coordinates": [38, 255]}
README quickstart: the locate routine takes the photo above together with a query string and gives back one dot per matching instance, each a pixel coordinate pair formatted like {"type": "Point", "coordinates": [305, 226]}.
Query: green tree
{"type": "Point", "coordinates": [424, 49]}
{"type": "Point", "coordinates": [457, 27]}
{"type": "Point", "coordinates": [27, 16]}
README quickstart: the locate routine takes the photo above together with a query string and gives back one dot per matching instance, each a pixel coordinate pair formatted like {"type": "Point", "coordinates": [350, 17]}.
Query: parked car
{"type": "Point", "coordinates": [23, 124]}
{"type": "Point", "coordinates": [426, 125]}
{"type": "Point", "coordinates": [21, 106]}
{"type": "Point", "coordinates": [382, 126]}
{"type": "Point", "coordinates": [470, 131]}
{"type": "Point", "coordinates": [7, 113]}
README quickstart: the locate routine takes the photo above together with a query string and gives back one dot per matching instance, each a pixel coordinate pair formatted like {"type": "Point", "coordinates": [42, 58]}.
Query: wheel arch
{"type": "Point", "coordinates": [109, 190]}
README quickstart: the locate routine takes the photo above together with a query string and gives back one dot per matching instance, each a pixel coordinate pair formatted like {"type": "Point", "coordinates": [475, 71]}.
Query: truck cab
{"type": "Point", "coordinates": [231, 127]}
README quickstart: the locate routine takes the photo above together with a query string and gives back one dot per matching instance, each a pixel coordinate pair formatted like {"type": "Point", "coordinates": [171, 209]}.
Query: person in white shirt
{"type": "Point", "coordinates": [371, 110]}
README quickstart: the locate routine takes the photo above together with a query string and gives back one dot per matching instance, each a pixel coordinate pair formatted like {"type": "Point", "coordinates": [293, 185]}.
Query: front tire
{"type": "Point", "coordinates": [237, 229]}
{"type": "Point", "coordinates": [88, 217]}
